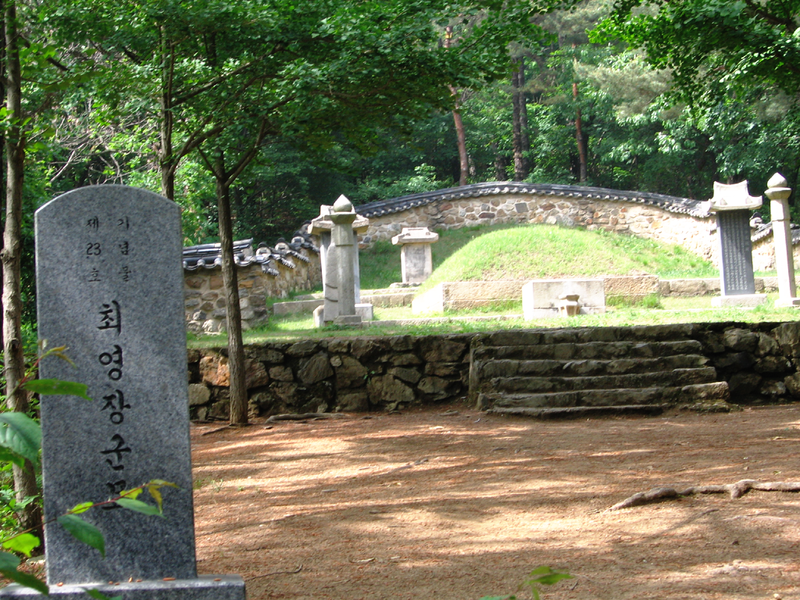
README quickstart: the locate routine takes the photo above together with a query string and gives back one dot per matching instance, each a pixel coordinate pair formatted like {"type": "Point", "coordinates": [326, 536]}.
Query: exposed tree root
{"type": "Point", "coordinates": [304, 417]}
{"type": "Point", "coordinates": [736, 490]}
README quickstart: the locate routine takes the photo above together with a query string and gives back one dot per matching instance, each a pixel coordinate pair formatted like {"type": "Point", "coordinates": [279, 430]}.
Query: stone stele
{"type": "Point", "coordinates": [110, 288]}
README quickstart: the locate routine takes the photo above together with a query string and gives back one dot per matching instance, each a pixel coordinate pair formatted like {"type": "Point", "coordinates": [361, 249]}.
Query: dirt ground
{"type": "Point", "coordinates": [434, 504]}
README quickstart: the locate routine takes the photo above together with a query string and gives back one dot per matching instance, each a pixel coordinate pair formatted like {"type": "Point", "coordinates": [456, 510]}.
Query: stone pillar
{"type": "Point", "coordinates": [416, 262]}
{"type": "Point", "coordinates": [733, 204]}
{"type": "Point", "coordinates": [330, 261]}
{"type": "Point", "coordinates": [342, 236]}
{"type": "Point", "coordinates": [779, 194]}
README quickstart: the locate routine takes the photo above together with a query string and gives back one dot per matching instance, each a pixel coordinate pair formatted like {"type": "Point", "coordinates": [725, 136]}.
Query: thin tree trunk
{"type": "Point", "coordinates": [519, 122]}
{"type": "Point", "coordinates": [17, 399]}
{"type": "Point", "coordinates": [500, 164]}
{"type": "Point", "coordinates": [579, 139]}
{"type": "Point", "coordinates": [463, 157]}
{"type": "Point", "coordinates": [461, 137]}
{"type": "Point", "coordinates": [238, 387]}
{"type": "Point", "coordinates": [166, 158]}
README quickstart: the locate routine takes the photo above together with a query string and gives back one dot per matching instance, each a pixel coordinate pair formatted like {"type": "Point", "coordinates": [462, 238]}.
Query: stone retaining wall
{"type": "Point", "coordinates": [759, 362]}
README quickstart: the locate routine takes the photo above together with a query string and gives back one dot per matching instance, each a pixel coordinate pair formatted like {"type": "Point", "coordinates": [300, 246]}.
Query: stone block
{"type": "Point", "coordinates": [540, 298]}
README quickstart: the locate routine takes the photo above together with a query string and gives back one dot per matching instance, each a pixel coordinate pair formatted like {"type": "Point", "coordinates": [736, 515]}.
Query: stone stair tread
{"type": "Point", "coordinates": [640, 333]}
{"type": "Point", "coordinates": [607, 350]}
{"type": "Point", "coordinates": [588, 367]}
{"type": "Point", "coordinates": [582, 411]}
{"type": "Point", "coordinates": [716, 391]}
{"type": "Point", "coordinates": [671, 378]}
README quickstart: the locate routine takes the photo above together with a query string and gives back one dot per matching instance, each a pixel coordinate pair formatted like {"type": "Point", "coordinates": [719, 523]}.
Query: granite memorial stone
{"type": "Point", "coordinates": [733, 204]}
{"type": "Point", "coordinates": [110, 288]}
{"type": "Point", "coordinates": [416, 260]}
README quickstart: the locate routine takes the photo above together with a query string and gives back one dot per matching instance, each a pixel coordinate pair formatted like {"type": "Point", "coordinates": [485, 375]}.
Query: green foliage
{"type": "Point", "coordinates": [539, 576]}
{"type": "Point", "coordinates": [83, 532]}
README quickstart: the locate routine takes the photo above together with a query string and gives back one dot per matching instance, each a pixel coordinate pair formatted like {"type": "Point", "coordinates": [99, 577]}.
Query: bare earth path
{"type": "Point", "coordinates": [427, 504]}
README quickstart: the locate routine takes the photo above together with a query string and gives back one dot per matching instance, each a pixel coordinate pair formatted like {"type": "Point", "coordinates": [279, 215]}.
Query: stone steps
{"type": "Point", "coordinates": [578, 372]}
{"type": "Point", "coordinates": [593, 367]}
{"type": "Point", "coordinates": [673, 378]}
{"type": "Point", "coordinates": [687, 394]}
{"type": "Point", "coordinates": [590, 350]}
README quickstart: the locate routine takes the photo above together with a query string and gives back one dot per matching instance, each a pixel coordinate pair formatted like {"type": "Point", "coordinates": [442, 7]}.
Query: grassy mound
{"type": "Point", "coordinates": [552, 252]}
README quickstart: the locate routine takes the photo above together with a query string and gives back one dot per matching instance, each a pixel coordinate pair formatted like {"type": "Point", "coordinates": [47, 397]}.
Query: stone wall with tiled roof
{"type": "Point", "coordinates": [672, 204]}
{"type": "Point", "coordinates": [669, 219]}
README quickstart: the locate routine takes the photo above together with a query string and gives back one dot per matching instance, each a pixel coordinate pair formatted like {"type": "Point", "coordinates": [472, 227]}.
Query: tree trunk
{"type": "Point", "coordinates": [30, 517]}
{"type": "Point", "coordinates": [165, 158]}
{"type": "Point", "coordinates": [500, 164]}
{"type": "Point", "coordinates": [579, 139]}
{"type": "Point", "coordinates": [463, 157]}
{"type": "Point", "coordinates": [520, 122]}
{"type": "Point", "coordinates": [238, 387]}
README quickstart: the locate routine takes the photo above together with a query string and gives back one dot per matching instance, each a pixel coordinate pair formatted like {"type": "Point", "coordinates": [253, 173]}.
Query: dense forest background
{"type": "Point", "coordinates": [574, 108]}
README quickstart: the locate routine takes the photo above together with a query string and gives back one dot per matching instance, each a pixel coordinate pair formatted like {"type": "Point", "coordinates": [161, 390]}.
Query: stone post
{"type": "Point", "coordinates": [779, 194]}
{"type": "Point", "coordinates": [343, 216]}
{"type": "Point", "coordinates": [733, 204]}
{"type": "Point", "coordinates": [416, 261]}
{"type": "Point", "coordinates": [323, 227]}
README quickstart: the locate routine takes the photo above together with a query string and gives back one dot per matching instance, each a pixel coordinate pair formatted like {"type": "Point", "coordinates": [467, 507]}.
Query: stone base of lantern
{"type": "Point", "coordinates": [787, 302]}
{"type": "Point", "coordinates": [364, 312]}
{"type": "Point", "coordinates": [746, 300]}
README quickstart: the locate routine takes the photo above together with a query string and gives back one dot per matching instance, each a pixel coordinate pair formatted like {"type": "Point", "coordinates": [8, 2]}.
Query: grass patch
{"type": "Point", "coordinates": [525, 252]}
{"type": "Point", "coordinates": [551, 252]}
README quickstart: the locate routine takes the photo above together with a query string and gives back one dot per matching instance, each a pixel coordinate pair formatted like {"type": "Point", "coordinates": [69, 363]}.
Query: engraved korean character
{"type": "Point", "coordinates": [114, 357]}
{"type": "Point", "coordinates": [125, 273]}
{"type": "Point", "coordinates": [116, 404]}
{"type": "Point", "coordinates": [94, 276]}
{"type": "Point", "coordinates": [115, 488]}
{"type": "Point", "coordinates": [93, 223]}
{"type": "Point", "coordinates": [110, 317]}
{"type": "Point", "coordinates": [116, 461]}
{"type": "Point", "coordinates": [124, 248]}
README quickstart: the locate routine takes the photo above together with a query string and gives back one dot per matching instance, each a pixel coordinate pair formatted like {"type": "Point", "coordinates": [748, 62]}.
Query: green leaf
{"type": "Point", "coordinates": [21, 434]}
{"type": "Point", "coordinates": [57, 387]}
{"type": "Point", "coordinates": [7, 456]}
{"type": "Point", "coordinates": [24, 543]}
{"type": "Point", "coordinates": [98, 595]}
{"type": "Point", "coordinates": [132, 494]}
{"type": "Point", "coordinates": [81, 508]}
{"type": "Point", "coordinates": [139, 506]}
{"type": "Point", "coordinates": [84, 532]}
{"type": "Point", "coordinates": [8, 567]}
{"type": "Point", "coordinates": [154, 488]}
{"type": "Point", "coordinates": [546, 576]}
{"type": "Point", "coordinates": [8, 561]}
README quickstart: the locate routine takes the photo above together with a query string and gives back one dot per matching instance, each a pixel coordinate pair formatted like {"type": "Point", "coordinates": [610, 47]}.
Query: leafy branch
{"type": "Point", "coordinates": [24, 542]}
{"type": "Point", "coordinates": [539, 576]}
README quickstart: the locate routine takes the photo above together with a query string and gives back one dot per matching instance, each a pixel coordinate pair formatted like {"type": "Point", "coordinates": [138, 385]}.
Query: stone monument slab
{"type": "Point", "coordinates": [733, 204]}
{"type": "Point", "coordinates": [416, 259]}
{"type": "Point", "coordinates": [110, 288]}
